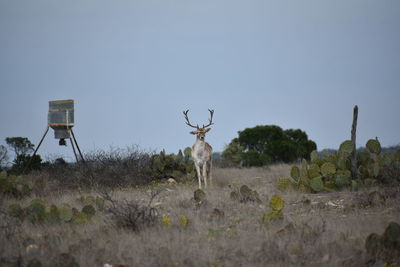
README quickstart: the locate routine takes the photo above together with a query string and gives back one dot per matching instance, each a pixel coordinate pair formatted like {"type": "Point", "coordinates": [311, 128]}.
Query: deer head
{"type": "Point", "coordinates": [200, 131]}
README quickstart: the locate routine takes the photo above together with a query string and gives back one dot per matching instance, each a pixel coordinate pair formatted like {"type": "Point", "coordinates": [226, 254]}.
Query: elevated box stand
{"type": "Point", "coordinates": [61, 120]}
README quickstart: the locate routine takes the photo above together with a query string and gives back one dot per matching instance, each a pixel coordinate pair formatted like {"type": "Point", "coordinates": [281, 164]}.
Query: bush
{"type": "Point", "coordinates": [16, 186]}
{"type": "Point", "coordinates": [130, 215]}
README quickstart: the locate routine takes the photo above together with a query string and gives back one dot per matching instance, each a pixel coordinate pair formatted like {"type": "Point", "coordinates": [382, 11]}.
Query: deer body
{"type": "Point", "coordinates": [201, 151]}
{"type": "Point", "coordinates": [201, 154]}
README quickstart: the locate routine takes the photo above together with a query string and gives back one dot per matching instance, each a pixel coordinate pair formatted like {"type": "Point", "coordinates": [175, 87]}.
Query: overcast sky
{"type": "Point", "coordinates": [132, 67]}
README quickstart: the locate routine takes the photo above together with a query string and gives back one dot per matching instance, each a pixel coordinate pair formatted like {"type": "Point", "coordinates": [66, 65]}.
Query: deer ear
{"type": "Point", "coordinates": [194, 132]}
{"type": "Point", "coordinates": [207, 130]}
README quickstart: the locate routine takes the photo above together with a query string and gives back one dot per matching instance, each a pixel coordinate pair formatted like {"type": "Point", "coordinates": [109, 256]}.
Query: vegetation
{"type": "Point", "coordinates": [20, 145]}
{"type": "Point", "coordinates": [3, 156]}
{"type": "Point", "coordinates": [93, 214]}
{"type": "Point", "coordinates": [16, 186]}
{"type": "Point", "coordinates": [165, 225]}
{"type": "Point", "coordinates": [385, 247]}
{"type": "Point", "coordinates": [267, 144]}
{"type": "Point", "coordinates": [39, 212]}
{"type": "Point", "coordinates": [333, 171]}
{"type": "Point", "coordinates": [22, 161]}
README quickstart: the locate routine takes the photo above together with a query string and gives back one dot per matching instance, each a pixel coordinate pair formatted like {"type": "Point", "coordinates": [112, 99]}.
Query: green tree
{"type": "Point", "coordinates": [265, 144]}
{"type": "Point", "coordinates": [20, 145]}
{"type": "Point", "coordinates": [21, 162]}
{"type": "Point", "coordinates": [232, 153]}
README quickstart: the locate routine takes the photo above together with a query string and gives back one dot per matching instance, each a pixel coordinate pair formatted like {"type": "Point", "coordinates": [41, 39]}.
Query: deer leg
{"type": "Point", "coordinates": [209, 166]}
{"type": "Point", "coordinates": [198, 174]}
{"type": "Point", "coordinates": [205, 175]}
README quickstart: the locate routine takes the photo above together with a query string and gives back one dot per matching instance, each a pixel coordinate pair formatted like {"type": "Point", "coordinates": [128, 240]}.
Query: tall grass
{"type": "Point", "coordinates": [317, 229]}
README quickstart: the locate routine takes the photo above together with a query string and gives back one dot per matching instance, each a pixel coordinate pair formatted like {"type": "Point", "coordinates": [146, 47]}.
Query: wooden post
{"type": "Point", "coordinates": [353, 139]}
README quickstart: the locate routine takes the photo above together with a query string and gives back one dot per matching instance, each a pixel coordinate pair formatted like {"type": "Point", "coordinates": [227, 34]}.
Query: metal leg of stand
{"type": "Point", "coordinates": [73, 148]}
{"type": "Point", "coordinates": [76, 143]}
{"type": "Point", "coordinates": [37, 148]}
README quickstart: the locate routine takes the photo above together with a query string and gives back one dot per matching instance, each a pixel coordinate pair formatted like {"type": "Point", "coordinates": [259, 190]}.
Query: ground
{"type": "Point", "coordinates": [326, 229]}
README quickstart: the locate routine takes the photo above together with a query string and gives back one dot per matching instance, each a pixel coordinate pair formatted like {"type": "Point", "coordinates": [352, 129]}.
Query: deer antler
{"type": "Point", "coordinates": [210, 119]}
{"type": "Point", "coordinates": [187, 120]}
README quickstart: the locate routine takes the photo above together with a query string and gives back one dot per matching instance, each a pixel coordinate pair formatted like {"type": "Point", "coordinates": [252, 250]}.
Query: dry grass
{"type": "Point", "coordinates": [329, 231]}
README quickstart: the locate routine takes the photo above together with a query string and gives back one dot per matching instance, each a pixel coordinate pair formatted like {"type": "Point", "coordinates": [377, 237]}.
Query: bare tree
{"type": "Point", "coordinates": [3, 155]}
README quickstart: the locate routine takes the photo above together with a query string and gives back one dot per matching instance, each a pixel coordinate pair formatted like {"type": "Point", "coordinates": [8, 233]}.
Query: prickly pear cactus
{"type": "Point", "coordinates": [276, 203]}
{"type": "Point", "coordinates": [36, 211]}
{"type": "Point", "coordinates": [376, 169]}
{"type": "Point", "coordinates": [342, 180]}
{"type": "Point", "coordinates": [80, 217]}
{"type": "Point", "coordinates": [53, 215]}
{"type": "Point", "coordinates": [374, 146]}
{"type": "Point", "coordinates": [391, 236]}
{"type": "Point", "coordinates": [354, 185]}
{"type": "Point", "coordinates": [184, 221]}
{"type": "Point", "coordinates": [16, 210]}
{"type": "Point", "coordinates": [235, 196]}
{"type": "Point", "coordinates": [313, 171]}
{"type": "Point", "coordinates": [199, 196]}
{"type": "Point", "coordinates": [385, 247]}
{"type": "Point", "coordinates": [328, 169]}
{"type": "Point", "coordinates": [373, 244]}
{"type": "Point", "coordinates": [347, 147]}
{"type": "Point", "coordinates": [65, 213]}
{"type": "Point", "coordinates": [89, 210]}
{"type": "Point", "coordinates": [284, 184]}
{"type": "Point", "coordinates": [272, 216]}
{"type": "Point", "coordinates": [317, 184]}
{"type": "Point", "coordinates": [295, 173]}
{"type": "Point", "coordinates": [369, 182]}
{"type": "Point", "coordinates": [166, 220]}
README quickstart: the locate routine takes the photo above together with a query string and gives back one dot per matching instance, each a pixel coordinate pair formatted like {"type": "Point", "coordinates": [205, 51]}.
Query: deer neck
{"type": "Point", "coordinates": [199, 141]}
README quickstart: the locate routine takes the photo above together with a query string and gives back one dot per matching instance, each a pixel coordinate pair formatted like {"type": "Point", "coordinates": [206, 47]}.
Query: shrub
{"type": "Point", "coordinates": [16, 186]}
{"type": "Point", "coordinates": [130, 215]}
{"type": "Point", "coordinates": [245, 194]}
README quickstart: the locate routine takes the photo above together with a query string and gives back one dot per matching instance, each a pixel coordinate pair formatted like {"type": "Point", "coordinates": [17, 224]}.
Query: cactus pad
{"type": "Point", "coordinates": [313, 171]}
{"type": "Point", "coordinates": [272, 216]}
{"type": "Point", "coordinates": [184, 221]}
{"type": "Point", "coordinates": [376, 169]}
{"type": "Point", "coordinates": [354, 185]}
{"type": "Point", "coordinates": [391, 236]}
{"type": "Point", "coordinates": [373, 146]}
{"type": "Point", "coordinates": [372, 244]}
{"type": "Point", "coordinates": [317, 184]}
{"type": "Point", "coordinates": [80, 217]}
{"type": "Point", "coordinates": [369, 182]}
{"type": "Point", "coordinates": [342, 180]}
{"type": "Point", "coordinates": [89, 210]}
{"type": "Point", "coordinates": [328, 169]}
{"type": "Point", "coordinates": [295, 173]}
{"type": "Point", "coordinates": [166, 221]}
{"type": "Point", "coordinates": [65, 213]}
{"type": "Point", "coordinates": [199, 196]}
{"type": "Point", "coordinates": [347, 147]}
{"type": "Point", "coordinates": [284, 184]}
{"type": "Point", "coordinates": [276, 203]}
{"type": "Point", "coordinates": [36, 211]}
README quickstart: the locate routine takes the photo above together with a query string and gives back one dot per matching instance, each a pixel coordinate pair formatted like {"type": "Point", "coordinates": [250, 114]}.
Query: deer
{"type": "Point", "coordinates": [201, 150]}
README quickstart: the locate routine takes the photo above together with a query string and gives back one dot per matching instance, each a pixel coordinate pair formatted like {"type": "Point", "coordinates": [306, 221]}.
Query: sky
{"type": "Point", "coordinates": [133, 66]}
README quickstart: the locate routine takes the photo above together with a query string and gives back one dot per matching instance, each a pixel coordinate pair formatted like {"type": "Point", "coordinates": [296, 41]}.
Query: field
{"type": "Point", "coordinates": [172, 229]}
